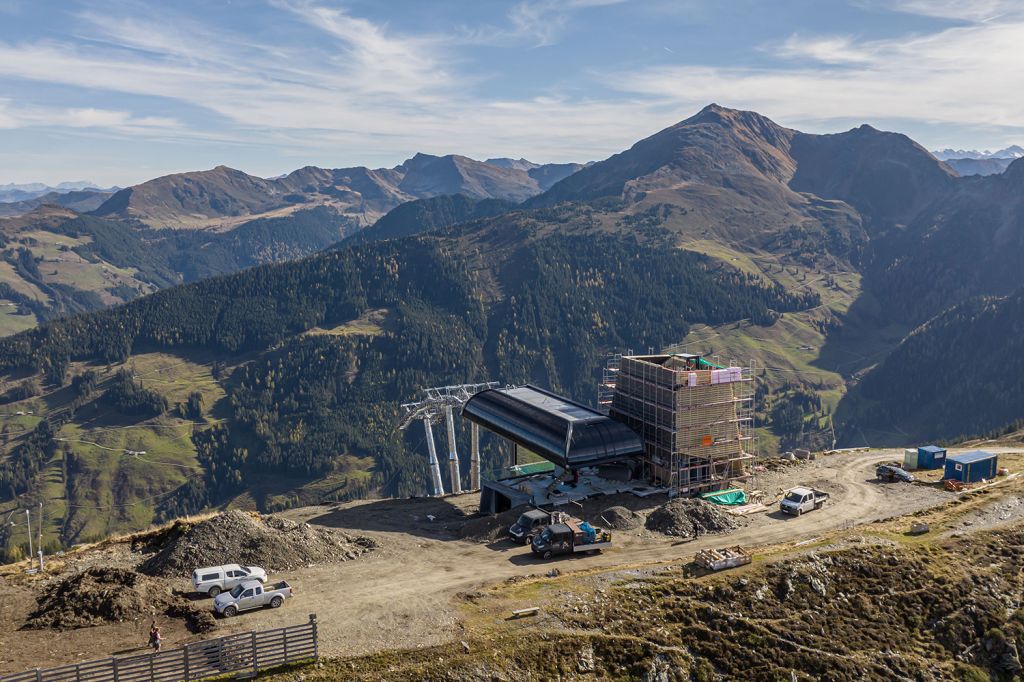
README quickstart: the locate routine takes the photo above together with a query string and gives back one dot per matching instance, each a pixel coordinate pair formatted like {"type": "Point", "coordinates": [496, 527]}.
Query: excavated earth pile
{"type": "Point", "coordinates": [620, 518]}
{"type": "Point", "coordinates": [98, 596]}
{"type": "Point", "coordinates": [689, 518]}
{"type": "Point", "coordinates": [248, 539]}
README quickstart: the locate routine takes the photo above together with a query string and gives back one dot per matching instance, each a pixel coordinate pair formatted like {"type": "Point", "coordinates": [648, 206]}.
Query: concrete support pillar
{"type": "Point", "coordinates": [453, 455]}
{"type": "Point", "coordinates": [435, 466]}
{"type": "Point", "coordinates": [474, 456]}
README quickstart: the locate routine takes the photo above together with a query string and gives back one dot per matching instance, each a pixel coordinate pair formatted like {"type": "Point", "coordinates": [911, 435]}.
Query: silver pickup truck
{"type": "Point", "coordinates": [251, 595]}
{"type": "Point", "coordinates": [800, 500]}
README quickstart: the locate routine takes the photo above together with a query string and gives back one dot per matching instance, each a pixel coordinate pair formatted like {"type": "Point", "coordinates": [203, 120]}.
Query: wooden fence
{"type": "Point", "coordinates": [244, 652]}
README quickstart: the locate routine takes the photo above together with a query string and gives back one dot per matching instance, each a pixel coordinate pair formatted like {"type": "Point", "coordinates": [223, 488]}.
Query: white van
{"type": "Point", "coordinates": [213, 580]}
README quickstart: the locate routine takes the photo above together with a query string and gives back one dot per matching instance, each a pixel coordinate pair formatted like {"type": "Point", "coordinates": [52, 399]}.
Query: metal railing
{"type": "Point", "coordinates": [247, 651]}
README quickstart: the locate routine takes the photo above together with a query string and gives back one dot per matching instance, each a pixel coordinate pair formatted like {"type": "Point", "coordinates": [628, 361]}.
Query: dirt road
{"type": "Point", "coordinates": [404, 594]}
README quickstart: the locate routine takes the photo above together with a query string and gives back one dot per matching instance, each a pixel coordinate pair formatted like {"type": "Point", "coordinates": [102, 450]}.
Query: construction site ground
{"type": "Point", "coordinates": [412, 591]}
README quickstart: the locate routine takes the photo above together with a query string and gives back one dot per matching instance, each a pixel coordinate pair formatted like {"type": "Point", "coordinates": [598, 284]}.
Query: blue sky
{"type": "Point", "coordinates": [124, 90]}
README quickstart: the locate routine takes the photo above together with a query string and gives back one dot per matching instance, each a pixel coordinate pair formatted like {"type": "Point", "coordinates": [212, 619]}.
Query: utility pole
{"type": "Point", "coordinates": [39, 546]}
{"type": "Point", "coordinates": [28, 522]}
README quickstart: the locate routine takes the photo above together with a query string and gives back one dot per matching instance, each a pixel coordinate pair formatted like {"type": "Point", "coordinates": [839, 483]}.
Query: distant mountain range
{"type": "Point", "coordinates": [1011, 152]}
{"type": "Point", "coordinates": [990, 166]}
{"type": "Point", "coordinates": [221, 198]}
{"type": "Point", "coordinates": [71, 250]}
{"type": "Point", "coordinates": [11, 192]}
{"type": "Point", "coordinates": [973, 162]}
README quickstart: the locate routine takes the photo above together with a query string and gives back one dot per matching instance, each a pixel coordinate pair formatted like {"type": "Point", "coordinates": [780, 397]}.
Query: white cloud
{"type": "Point", "coordinates": [827, 50]}
{"type": "Point", "coordinates": [382, 62]}
{"type": "Point", "coordinates": [965, 75]}
{"type": "Point", "coordinates": [20, 116]}
{"type": "Point", "coordinates": [963, 10]}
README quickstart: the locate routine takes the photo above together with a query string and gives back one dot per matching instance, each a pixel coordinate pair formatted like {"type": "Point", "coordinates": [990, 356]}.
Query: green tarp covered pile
{"type": "Point", "coordinates": [731, 497]}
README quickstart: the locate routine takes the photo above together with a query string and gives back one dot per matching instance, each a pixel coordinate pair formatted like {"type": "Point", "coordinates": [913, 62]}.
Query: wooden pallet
{"type": "Point", "coordinates": [719, 559]}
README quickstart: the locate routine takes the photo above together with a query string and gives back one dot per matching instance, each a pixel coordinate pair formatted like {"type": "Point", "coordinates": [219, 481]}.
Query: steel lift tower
{"type": "Point", "coordinates": [440, 404]}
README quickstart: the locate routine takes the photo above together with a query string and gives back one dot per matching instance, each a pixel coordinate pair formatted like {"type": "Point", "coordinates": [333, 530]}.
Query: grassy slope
{"type": "Point", "coordinates": [120, 491]}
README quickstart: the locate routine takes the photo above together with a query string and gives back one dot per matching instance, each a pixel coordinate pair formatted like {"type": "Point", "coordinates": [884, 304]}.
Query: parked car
{"type": "Point", "coordinates": [216, 579]}
{"type": "Point", "coordinates": [892, 472]}
{"type": "Point", "coordinates": [799, 500]}
{"type": "Point", "coordinates": [251, 595]}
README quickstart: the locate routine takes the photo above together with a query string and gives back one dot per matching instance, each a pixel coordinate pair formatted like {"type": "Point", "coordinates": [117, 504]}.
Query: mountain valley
{"type": "Point", "coordinates": [814, 257]}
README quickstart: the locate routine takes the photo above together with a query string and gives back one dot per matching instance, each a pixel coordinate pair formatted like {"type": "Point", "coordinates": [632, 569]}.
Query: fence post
{"type": "Point", "coordinates": [316, 643]}
{"type": "Point", "coordinates": [39, 674]}
{"type": "Point", "coordinates": [252, 643]}
{"type": "Point", "coordinates": [114, 661]}
{"type": "Point", "coordinates": [186, 664]}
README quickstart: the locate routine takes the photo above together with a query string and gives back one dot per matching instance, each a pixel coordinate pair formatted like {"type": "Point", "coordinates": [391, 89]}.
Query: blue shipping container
{"type": "Point", "coordinates": [931, 457]}
{"type": "Point", "coordinates": [971, 467]}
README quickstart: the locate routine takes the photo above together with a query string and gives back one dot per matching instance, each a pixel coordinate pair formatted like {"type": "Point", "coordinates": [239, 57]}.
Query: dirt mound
{"type": "Point", "coordinates": [98, 596]}
{"type": "Point", "coordinates": [689, 518]}
{"type": "Point", "coordinates": [251, 540]}
{"type": "Point", "coordinates": [620, 518]}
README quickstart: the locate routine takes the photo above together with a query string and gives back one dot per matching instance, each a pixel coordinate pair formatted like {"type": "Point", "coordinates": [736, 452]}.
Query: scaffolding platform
{"type": "Point", "coordinates": [696, 418]}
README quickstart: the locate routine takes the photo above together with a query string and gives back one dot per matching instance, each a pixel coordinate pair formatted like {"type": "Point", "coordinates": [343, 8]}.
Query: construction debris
{"type": "Point", "coordinates": [250, 540]}
{"type": "Point", "coordinates": [727, 557]}
{"type": "Point", "coordinates": [747, 509]}
{"type": "Point", "coordinates": [529, 611]}
{"type": "Point", "coordinates": [690, 518]}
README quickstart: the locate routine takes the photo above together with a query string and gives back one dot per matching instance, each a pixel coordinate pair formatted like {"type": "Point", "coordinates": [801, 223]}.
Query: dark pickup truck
{"type": "Point", "coordinates": [528, 524]}
{"type": "Point", "coordinates": [570, 537]}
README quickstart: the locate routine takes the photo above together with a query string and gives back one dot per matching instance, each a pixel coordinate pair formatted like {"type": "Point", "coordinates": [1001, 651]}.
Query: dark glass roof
{"type": "Point", "coordinates": [556, 428]}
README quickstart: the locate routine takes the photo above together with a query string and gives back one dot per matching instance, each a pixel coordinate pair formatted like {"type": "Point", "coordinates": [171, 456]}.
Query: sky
{"type": "Point", "coordinates": [120, 91]}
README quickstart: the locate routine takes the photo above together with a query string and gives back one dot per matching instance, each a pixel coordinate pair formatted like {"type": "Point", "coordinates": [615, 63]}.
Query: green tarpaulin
{"type": "Point", "coordinates": [532, 468]}
{"type": "Point", "coordinates": [731, 497]}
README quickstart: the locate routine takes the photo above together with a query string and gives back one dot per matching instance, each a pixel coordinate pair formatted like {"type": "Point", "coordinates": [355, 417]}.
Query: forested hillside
{"type": "Point", "coordinates": [960, 373]}
{"type": "Point", "coordinates": [311, 393]}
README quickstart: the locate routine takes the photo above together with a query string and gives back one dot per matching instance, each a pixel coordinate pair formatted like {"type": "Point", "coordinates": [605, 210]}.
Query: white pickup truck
{"type": "Point", "coordinates": [799, 500]}
{"type": "Point", "coordinates": [216, 579]}
{"type": "Point", "coordinates": [251, 595]}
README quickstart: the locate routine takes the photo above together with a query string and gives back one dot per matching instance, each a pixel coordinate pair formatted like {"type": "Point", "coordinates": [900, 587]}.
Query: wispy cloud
{"type": "Point", "coordinates": [535, 23]}
{"type": "Point", "coordinates": [969, 10]}
{"type": "Point", "coordinates": [382, 62]}
{"type": "Point", "coordinates": [964, 75]}
{"type": "Point", "coordinates": [20, 116]}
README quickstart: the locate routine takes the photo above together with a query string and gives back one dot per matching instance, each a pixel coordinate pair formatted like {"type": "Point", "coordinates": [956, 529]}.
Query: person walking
{"type": "Point", "coordinates": [155, 637]}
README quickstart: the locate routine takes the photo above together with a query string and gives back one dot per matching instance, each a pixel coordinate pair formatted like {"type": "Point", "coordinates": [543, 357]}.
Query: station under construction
{"type": "Point", "coordinates": [695, 418]}
{"type": "Point", "coordinates": [674, 423]}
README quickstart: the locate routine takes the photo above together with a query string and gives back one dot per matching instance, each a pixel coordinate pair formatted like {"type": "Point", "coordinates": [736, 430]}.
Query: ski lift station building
{"type": "Point", "coordinates": [671, 423]}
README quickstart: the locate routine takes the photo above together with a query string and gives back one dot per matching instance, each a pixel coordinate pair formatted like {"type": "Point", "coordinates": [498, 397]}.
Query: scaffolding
{"type": "Point", "coordinates": [696, 419]}
{"type": "Point", "coordinates": [606, 389]}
